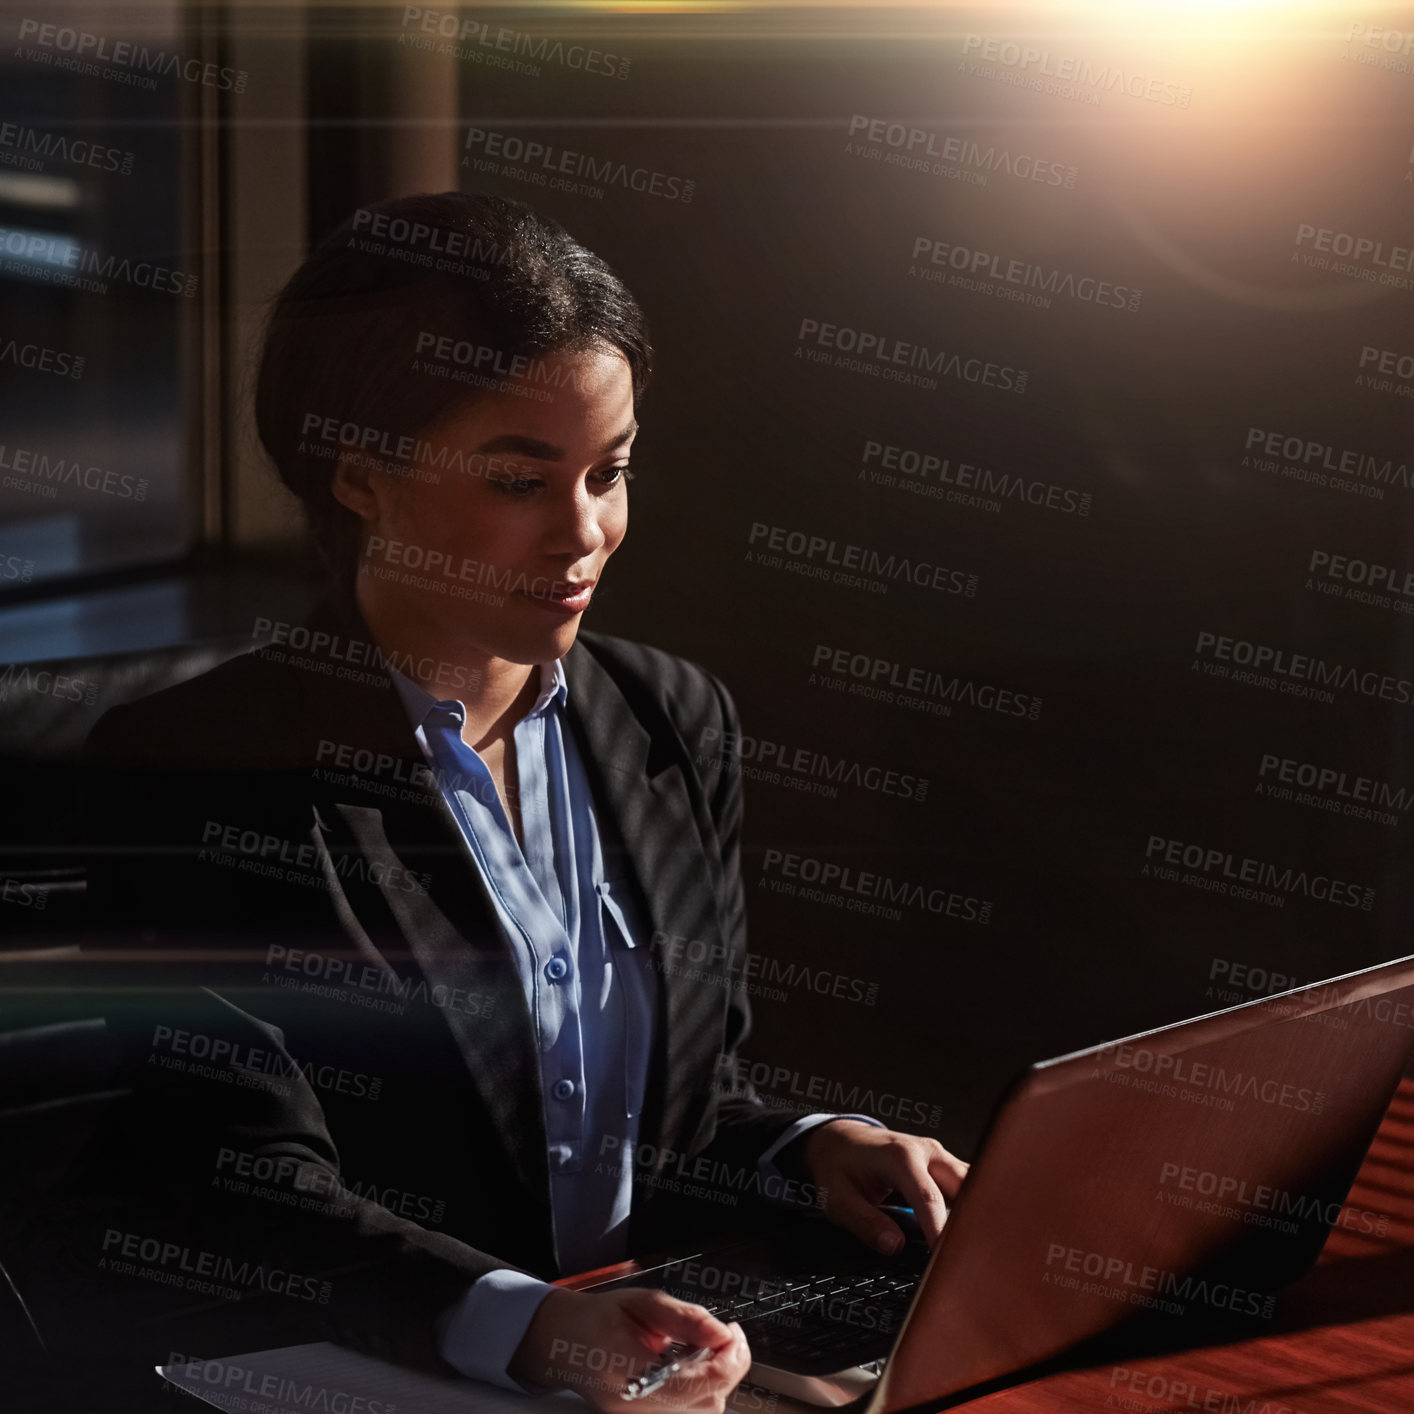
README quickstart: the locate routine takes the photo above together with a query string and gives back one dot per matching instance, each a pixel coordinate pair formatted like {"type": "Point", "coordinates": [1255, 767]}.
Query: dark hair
{"type": "Point", "coordinates": [342, 335]}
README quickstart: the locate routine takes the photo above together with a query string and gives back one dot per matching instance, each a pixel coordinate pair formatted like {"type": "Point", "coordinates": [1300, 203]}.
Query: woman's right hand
{"type": "Point", "coordinates": [594, 1342]}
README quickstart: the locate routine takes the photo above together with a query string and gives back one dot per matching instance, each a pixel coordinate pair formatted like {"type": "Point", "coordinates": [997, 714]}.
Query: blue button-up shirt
{"type": "Point", "coordinates": [575, 935]}
{"type": "Point", "coordinates": [565, 907]}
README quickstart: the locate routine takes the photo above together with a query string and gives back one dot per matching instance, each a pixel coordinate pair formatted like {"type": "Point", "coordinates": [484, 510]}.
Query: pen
{"type": "Point", "coordinates": [655, 1376]}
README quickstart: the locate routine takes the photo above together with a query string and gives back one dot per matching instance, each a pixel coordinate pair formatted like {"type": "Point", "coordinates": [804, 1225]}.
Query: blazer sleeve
{"type": "Point", "coordinates": [210, 1216]}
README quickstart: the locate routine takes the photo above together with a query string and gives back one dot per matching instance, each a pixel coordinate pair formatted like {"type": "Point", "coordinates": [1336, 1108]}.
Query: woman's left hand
{"type": "Point", "coordinates": [856, 1166]}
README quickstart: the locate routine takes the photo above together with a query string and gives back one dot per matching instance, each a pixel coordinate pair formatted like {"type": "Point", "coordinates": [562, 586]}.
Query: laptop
{"type": "Point", "coordinates": [1185, 1172]}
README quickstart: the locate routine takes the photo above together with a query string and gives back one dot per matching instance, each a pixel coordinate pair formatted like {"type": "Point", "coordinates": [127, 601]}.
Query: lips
{"type": "Point", "coordinates": [574, 593]}
{"type": "Point", "coordinates": [569, 596]}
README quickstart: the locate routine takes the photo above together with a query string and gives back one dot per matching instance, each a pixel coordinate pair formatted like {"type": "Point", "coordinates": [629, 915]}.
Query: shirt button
{"type": "Point", "coordinates": [557, 969]}
{"type": "Point", "coordinates": [562, 1089]}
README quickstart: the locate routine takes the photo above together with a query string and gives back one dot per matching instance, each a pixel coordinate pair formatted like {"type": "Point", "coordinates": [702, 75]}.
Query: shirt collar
{"type": "Point", "coordinates": [418, 702]}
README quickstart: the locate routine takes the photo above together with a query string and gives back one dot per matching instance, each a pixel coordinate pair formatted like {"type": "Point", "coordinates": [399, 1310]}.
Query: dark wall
{"type": "Point", "coordinates": [1077, 718]}
{"type": "Point", "coordinates": [990, 578]}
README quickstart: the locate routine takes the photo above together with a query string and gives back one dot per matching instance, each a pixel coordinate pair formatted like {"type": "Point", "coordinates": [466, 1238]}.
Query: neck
{"type": "Point", "coordinates": [493, 690]}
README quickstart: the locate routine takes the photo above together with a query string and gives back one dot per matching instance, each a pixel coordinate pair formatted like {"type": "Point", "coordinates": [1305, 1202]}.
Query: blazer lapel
{"type": "Point", "coordinates": [640, 779]}
{"type": "Point", "coordinates": [470, 978]}
{"type": "Point", "coordinates": [405, 857]}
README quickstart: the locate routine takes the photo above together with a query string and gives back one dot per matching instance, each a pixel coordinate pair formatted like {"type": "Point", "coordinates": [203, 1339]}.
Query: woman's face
{"type": "Point", "coordinates": [499, 557]}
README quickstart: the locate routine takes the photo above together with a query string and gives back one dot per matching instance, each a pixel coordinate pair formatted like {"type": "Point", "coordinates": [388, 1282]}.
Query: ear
{"type": "Point", "coordinates": [359, 484]}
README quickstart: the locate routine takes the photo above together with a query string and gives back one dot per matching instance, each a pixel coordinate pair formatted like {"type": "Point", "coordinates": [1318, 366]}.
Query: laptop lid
{"type": "Point", "coordinates": [1193, 1168]}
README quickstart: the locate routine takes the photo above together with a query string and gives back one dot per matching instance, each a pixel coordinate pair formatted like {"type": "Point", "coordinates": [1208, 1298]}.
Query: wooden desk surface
{"type": "Point", "coordinates": [1341, 1342]}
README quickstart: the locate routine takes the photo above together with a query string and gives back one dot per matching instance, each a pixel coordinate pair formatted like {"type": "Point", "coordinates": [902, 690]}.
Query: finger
{"type": "Point", "coordinates": [948, 1171]}
{"type": "Point", "coordinates": [667, 1320]}
{"type": "Point", "coordinates": [924, 1196]}
{"type": "Point", "coordinates": [705, 1383]}
{"type": "Point", "coordinates": [848, 1207]}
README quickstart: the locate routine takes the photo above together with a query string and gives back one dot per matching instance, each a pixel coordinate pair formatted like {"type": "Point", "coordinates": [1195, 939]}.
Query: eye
{"type": "Point", "coordinates": [613, 475]}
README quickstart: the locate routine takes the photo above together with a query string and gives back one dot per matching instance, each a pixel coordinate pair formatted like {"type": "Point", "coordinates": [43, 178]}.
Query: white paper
{"type": "Point", "coordinates": [332, 1379]}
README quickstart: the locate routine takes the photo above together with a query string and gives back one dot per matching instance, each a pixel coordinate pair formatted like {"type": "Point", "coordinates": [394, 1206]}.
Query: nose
{"type": "Point", "coordinates": [574, 528]}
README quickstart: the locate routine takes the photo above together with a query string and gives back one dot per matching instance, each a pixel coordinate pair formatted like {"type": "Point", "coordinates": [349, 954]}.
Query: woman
{"type": "Point", "coordinates": [439, 795]}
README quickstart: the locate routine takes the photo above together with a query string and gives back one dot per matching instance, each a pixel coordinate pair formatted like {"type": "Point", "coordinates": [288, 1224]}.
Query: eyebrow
{"type": "Point", "coordinates": [546, 451]}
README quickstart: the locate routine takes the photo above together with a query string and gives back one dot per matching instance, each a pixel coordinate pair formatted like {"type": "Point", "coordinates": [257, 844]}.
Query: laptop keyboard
{"type": "Point", "coordinates": [830, 1298]}
{"type": "Point", "coordinates": [824, 1323]}
{"type": "Point", "coordinates": [811, 1299]}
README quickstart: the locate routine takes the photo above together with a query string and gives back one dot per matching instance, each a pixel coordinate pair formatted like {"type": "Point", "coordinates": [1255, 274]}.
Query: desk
{"type": "Point", "coordinates": [1341, 1342]}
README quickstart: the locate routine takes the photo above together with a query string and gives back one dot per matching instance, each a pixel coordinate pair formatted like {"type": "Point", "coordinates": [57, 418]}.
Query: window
{"type": "Point", "coordinates": [99, 289]}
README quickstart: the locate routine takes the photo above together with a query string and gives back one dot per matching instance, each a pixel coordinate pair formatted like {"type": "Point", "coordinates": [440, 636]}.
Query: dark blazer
{"type": "Point", "coordinates": [280, 886]}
